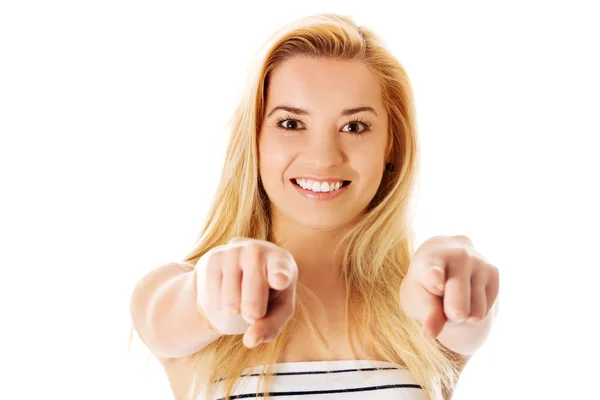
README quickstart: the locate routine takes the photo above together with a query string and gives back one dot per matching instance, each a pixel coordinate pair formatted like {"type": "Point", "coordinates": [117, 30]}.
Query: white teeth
{"type": "Point", "coordinates": [318, 187]}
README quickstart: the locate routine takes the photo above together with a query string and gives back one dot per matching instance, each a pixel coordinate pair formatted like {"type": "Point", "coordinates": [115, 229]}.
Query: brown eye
{"type": "Point", "coordinates": [290, 124]}
{"type": "Point", "coordinates": [356, 127]}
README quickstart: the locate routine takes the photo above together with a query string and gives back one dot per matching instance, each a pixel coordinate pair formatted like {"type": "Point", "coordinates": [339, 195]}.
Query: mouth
{"type": "Point", "coordinates": [320, 186]}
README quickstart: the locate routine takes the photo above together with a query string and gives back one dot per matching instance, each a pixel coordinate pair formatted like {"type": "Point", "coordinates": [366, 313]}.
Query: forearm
{"type": "Point", "coordinates": [466, 338]}
{"type": "Point", "coordinates": [166, 315]}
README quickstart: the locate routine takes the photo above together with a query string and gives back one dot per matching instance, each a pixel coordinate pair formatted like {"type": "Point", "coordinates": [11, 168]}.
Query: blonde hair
{"type": "Point", "coordinates": [378, 248]}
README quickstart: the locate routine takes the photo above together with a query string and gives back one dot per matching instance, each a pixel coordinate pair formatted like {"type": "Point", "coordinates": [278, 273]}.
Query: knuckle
{"type": "Point", "coordinates": [462, 254]}
{"type": "Point", "coordinates": [213, 260]}
{"type": "Point", "coordinates": [209, 255]}
{"type": "Point", "coordinates": [231, 252]}
{"type": "Point", "coordinates": [437, 239]}
{"type": "Point", "coordinates": [463, 239]}
{"type": "Point", "coordinates": [230, 265]}
{"type": "Point", "coordinates": [253, 250]}
{"type": "Point", "coordinates": [494, 271]}
{"type": "Point", "coordinates": [237, 239]}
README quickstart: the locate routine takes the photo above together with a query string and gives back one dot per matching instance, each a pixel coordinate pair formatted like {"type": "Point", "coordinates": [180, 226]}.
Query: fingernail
{"type": "Point", "coordinates": [440, 287]}
{"type": "Point", "coordinates": [259, 340]}
{"type": "Point", "coordinates": [281, 267]}
{"type": "Point", "coordinates": [473, 319]}
{"type": "Point", "coordinates": [435, 267]}
{"type": "Point", "coordinates": [459, 320]}
{"type": "Point", "coordinates": [249, 320]}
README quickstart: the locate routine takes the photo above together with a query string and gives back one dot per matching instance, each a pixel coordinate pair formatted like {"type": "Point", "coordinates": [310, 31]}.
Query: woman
{"type": "Point", "coordinates": [306, 263]}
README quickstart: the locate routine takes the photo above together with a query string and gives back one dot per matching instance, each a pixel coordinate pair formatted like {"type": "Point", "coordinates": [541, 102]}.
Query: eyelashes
{"type": "Point", "coordinates": [365, 124]}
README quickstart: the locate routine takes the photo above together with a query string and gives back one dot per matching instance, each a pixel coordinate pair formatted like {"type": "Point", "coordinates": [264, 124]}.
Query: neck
{"type": "Point", "coordinates": [319, 263]}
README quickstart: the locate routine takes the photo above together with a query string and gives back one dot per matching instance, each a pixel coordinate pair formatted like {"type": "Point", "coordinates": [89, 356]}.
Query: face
{"type": "Point", "coordinates": [323, 140]}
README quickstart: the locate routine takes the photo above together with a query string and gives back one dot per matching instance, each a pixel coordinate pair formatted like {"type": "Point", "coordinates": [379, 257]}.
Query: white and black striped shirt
{"type": "Point", "coordinates": [341, 379]}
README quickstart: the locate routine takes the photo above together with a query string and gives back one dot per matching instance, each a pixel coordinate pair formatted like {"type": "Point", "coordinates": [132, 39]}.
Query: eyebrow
{"type": "Point", "coordinates": [301, 111]}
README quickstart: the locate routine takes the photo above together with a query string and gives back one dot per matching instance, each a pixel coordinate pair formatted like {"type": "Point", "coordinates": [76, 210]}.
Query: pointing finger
{"type": "Point", "coordinates": [433, 310]}
{"type": "Point", "coordinates": [268, 328]}
{"type": "Point", "coordinates": [255, 291]}
{"type": "Point", "coordinates": [457, 294]}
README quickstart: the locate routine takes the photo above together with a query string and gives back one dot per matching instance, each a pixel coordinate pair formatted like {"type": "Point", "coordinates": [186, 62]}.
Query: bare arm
{"type": "Point", "coordinates": [166, 315]}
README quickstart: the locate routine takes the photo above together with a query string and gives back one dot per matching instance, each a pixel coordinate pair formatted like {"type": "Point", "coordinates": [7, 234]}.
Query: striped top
{"type": "Point", "coordinates": [340, 379]}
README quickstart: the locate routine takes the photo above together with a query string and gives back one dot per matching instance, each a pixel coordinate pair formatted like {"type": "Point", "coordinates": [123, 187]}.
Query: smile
{"type": "Point", "coordinates": [320, 190]}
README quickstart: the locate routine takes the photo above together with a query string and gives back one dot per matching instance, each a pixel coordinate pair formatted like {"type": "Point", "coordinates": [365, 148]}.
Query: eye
{"type": "Point", "coordinates": [289, 124]}
{"type": "Point", "coordinates": [355, 127]}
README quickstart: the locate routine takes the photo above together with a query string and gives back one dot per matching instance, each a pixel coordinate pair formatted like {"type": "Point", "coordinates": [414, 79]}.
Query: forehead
{"type": "Point", "coordinates": [323, 85]}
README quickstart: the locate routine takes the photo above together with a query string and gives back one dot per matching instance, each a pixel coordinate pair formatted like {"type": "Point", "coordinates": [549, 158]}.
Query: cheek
{"type": "Point", "coordinates": [368, 162]}
{"type": "Point", "coordinates": [370, 176]}
{"type": "Point", "coordinates": [274, 159]}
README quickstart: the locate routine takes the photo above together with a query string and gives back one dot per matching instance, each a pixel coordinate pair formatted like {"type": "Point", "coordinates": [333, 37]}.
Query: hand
{"type": "Point", "coordinates": [448, 282]}
{"type": "Point", "coordinates": [247, 286]}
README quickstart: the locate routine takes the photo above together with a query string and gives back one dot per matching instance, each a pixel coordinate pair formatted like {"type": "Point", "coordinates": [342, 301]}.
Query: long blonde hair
{"type": "Point", "coordinates": [378, 248]}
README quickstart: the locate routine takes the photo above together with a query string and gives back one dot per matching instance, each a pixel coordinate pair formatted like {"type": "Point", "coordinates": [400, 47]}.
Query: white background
{"type": "Point", "coordinates": [112, 123]}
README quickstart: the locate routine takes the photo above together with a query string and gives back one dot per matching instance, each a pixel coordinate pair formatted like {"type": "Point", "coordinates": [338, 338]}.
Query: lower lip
{"type": "Point", "coordinates": [320, 195]}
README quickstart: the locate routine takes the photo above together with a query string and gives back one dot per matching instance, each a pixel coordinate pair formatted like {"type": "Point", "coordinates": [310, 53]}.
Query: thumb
{"type": "Point", "coordinates": [433, 279]}
{"type": "Point", "coordinates": [280, 273]}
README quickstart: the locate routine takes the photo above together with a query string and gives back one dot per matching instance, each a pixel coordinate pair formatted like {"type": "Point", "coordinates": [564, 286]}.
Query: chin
{"type": "Point", "coordinates": [322, 217]}
{"type": "Point", "coordinates": [322, 222]}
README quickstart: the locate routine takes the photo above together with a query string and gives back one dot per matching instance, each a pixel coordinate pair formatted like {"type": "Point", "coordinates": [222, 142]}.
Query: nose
{"type": "Point", "coordinates": [325, 150]}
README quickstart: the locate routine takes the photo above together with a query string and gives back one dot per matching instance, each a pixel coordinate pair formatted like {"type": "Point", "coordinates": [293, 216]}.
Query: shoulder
{"type": "Point", "coordinates": [180, 373]}
{"type": "Point", "coordinates": [460, 361]}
